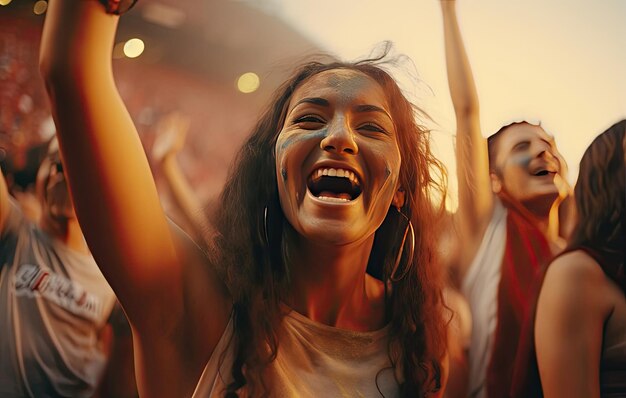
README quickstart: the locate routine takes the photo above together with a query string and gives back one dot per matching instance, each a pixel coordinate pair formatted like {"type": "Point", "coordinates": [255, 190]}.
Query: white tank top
{"type": "Point", "coordinates": [313, 360]}
{"type": "Point", "coordinates": [480, 287]}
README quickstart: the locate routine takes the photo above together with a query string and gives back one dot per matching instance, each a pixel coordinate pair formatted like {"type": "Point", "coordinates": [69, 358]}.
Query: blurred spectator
{"type": "Point", "coordinates": [57, 312]}
{"type": "Point", "coordinates": [581, 314]}
{"type": "Point", "coordinates": [507, 225]}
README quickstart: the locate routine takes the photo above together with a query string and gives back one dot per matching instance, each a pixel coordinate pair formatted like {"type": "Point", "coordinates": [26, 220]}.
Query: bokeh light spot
{"type": "Point", "coordinates": [134, 48]}
{"type": "Point", "coordinates": [40, 7]}
{"type": "Point", "coordinates": [248, 82]}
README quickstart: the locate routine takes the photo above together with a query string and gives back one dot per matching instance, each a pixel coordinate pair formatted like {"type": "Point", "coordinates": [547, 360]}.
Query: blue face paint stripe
{"type": "Point", "coordinates": [297, 138]}
{"type": "Point", "coordinates": [521, 160]}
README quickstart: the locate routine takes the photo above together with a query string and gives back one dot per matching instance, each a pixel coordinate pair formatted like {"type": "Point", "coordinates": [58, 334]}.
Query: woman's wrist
{"type": "Point", "coordinates": [117, 7]}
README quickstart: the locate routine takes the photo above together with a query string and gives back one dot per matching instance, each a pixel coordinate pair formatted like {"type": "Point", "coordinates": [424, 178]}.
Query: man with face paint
{"type": "Point", "coordinates": [507, 225]}
{"type": "Point", "coordinates": [56, 309]}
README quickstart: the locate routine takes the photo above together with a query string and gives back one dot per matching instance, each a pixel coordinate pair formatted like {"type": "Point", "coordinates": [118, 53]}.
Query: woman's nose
{"type": "Point", "coordinates": [544, 149]}
{"type": "Point", "coordinates": [340, 139]}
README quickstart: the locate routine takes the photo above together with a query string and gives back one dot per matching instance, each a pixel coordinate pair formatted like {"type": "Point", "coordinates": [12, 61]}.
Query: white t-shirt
{"type": "Point", "coordinates": [313, 360]}
{"type": "Point", "coordinates": [480, 287]}
{"type": "Point", "coordinates": [54, 303]}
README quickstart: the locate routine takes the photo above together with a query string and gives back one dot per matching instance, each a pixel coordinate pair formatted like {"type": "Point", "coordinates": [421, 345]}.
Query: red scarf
{"type": "Point", "coordinates": [527, 253]}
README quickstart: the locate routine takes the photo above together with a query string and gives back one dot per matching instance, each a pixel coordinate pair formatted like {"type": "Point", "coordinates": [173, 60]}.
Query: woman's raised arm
{"type": "Point", "coordinates": [114, 194]}
{"type": "Point", "coordinates": [178, 308]}
{"type": "Point", "coordinates": [475, 195]}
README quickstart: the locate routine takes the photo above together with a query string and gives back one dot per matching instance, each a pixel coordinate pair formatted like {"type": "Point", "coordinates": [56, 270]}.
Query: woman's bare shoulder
{"type": "Point", "coordinates": [575, 267]}
{"type": "Point", "coordinates": [576, 279]}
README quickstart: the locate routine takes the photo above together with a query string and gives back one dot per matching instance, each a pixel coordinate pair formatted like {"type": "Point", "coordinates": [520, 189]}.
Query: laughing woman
{"type": "Point", "coordinates": [335, 176]}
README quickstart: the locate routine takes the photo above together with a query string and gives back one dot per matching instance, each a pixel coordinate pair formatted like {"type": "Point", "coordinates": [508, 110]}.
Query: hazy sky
{"type": "Point", "coordinates": [559, 62]}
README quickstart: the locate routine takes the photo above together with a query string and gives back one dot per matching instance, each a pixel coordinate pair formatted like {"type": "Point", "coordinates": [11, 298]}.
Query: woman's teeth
{"type": "Point", "coordinates": [330, 172]}
{"type": "Point", "coordinates": [333, 199]}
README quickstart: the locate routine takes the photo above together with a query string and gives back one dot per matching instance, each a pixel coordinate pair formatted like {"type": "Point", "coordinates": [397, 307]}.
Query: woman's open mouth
{"type": "Point", "coordinates": [543, 169]}
{"type": "Point", "coordinates": [334, 184]}
{"type": "Point", "coordinates": [543, 172]}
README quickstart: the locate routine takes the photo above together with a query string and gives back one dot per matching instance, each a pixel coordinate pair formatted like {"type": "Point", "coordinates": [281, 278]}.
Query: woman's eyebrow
{"type": "Point", "coordinates": [371, 108]}
{"type": "Point", "coordinates": [314, 101]}
{"type": "Point", "coordinates": [310, 100]}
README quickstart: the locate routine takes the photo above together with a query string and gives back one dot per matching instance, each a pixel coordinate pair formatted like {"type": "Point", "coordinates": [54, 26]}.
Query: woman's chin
{"type": "Point", "coordinates": [332, 233]}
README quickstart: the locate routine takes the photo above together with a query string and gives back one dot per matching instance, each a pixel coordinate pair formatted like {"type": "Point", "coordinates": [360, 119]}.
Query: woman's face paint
{"type": "Point", "coordinates": [527, 163]}
{"type": "Point", "coordinates": [338, 158]}
{"type": "Point", "coordinates": [294, 139]}
{"type": "Point", "coordinates": [521, 159]}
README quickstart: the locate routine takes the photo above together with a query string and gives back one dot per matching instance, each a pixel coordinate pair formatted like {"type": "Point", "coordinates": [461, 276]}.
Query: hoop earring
{"type": "Point", "coordinates": [265, 229]}
{"type": "Point", "coordinates": [409, 227]}
{"type": "Point", "coordinates": [272, 228]}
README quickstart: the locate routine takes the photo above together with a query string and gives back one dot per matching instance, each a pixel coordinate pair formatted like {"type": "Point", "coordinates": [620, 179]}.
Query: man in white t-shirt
{"type": "Point", "coordinates": [56, 309]}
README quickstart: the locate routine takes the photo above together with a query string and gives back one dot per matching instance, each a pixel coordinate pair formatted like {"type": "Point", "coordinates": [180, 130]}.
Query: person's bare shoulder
{"type": "Point", "coordinates": [576, 268]}
{"type": "Point", "coordinates": [576, 277]}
